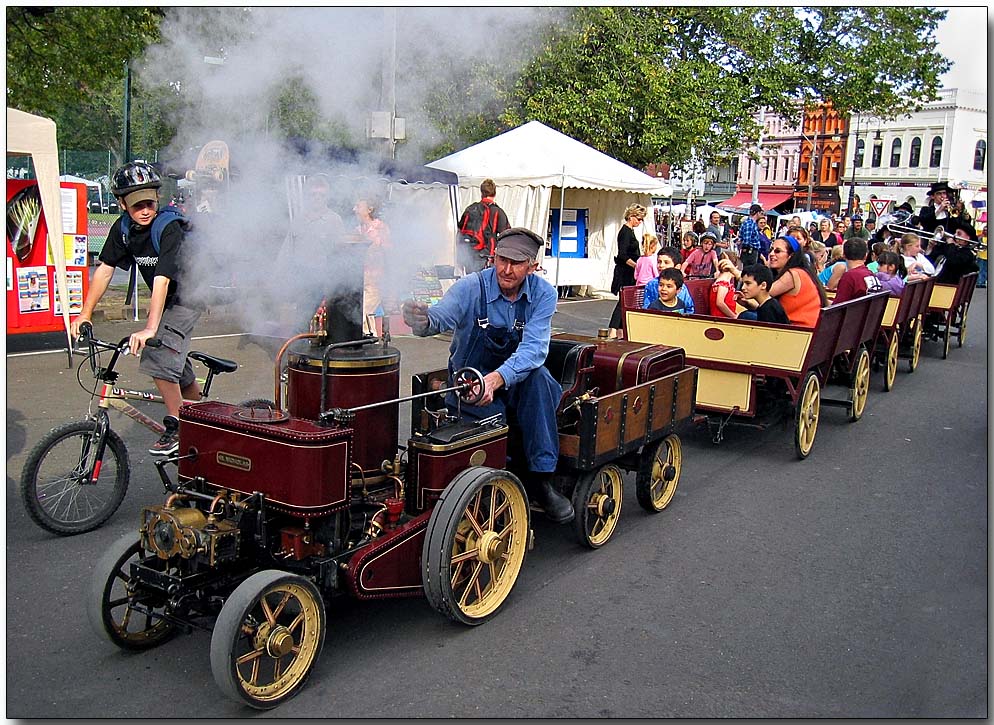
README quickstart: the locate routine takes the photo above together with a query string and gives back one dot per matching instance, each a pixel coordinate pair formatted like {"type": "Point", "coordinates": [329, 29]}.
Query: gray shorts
{"type": "Point", "coordinates": [169, 362]}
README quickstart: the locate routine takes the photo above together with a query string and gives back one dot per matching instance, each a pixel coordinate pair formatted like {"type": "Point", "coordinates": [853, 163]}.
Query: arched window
{"type": "Point", "coordinates": [980, 156]}
{"type": "Point", "coordinates": [860, 151]}
{"type": "Point", "coordinates": [935, 160]}
{"type": "Point", "coordinates": [895, 153]}
{"type": "Point", "coordinates": [916, 153]}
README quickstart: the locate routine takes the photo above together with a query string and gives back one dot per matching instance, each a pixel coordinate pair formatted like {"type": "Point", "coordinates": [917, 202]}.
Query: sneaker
{"type": "Point", "coordinates": [168, 442]}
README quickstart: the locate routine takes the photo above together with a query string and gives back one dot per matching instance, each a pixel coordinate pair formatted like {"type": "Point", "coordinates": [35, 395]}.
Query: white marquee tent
{"type": "Point", "coordinates": [537, 169]}
{"type": "Point", "coordinates": [34, 136]}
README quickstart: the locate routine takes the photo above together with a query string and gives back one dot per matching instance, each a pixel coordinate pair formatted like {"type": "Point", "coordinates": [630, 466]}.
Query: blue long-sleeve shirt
{"type": "Point", "coordinates": [457, 311]}
{"type": "Point", "coordinates": [652, 294]}
{"type": "Point", "coordinates": [750, 236]}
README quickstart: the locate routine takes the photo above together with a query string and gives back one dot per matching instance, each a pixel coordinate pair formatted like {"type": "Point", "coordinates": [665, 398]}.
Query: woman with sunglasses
{"type": "Point", "coordinates": [795, 284]}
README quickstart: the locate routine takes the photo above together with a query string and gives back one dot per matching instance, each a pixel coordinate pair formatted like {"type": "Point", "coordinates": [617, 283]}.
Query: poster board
{"type": "Point", "coordinates": [33, 301]}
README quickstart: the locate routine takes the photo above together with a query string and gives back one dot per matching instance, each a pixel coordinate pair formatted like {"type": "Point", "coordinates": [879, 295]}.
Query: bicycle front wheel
{"type": "Point", "coordinates": [68, 490]}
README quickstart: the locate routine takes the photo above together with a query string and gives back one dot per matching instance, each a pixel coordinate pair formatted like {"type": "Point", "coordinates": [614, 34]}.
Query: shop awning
{"type": "Point", "coordinates": [743, 200]}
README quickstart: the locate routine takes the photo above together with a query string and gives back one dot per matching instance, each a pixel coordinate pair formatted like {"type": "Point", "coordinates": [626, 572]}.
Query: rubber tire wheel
{"type": "Point", "coordinates": [890, 364]}
{"type": "Point", "coordinates": [110, 574]}
{"type": "Point", "coordinates": [451, 519]}
{"type": "Point", "coordinates": [806, 415]}
{"type": "Point", "coordinates": [654, 489]}
{"type": "Point", "coordinates": [916, 347]}
{"type": "Point", "coordinates": [243, 611]}
{"type": "Point", "coordinates": [103, 499]}
{"type": "Point", "coordinates": [597, 499]}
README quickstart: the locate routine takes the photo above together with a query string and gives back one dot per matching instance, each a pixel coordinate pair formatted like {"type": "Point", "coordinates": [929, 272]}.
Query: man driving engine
{"type": "Point", "coordinates": [501, 320]}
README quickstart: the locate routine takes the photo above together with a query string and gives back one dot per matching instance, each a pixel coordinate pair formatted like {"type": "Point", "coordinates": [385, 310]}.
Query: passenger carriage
{"type": "Point", "coordinates": [748, 370]}
{"type": "Point", "coordinates": [948, 307]}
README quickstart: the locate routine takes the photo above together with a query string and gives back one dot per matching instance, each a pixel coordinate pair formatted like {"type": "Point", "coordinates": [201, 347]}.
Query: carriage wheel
{"type": "Point", "coordinates": [860, 389]}
{"type": "Point", "coordinates": [475, 544]}
{"type": "Point", "coordinates": [946, 338]}
{"type": "Point", "coordinates": [961, 335]}
{"type": "Point", "coordinates": [890, 369]}
{"type": "Point", "coordinates": [806, 416]}
{"type": "Point", "coordinates": [916, 347]}
{"type": "Point", "coordinates": [118, 607]}
{"type": "Point", "coordinates": [659, 474]}
{"type": "Point", "coordinates": [267, 637]}
{"type": "Point", "coordinates": [597, 503]}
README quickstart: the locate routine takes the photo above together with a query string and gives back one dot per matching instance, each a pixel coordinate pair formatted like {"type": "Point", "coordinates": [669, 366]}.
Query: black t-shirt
{"type": "Point", "coordinates": [771, 311]}
{"type": "Point", "coordinates": [139, 249]}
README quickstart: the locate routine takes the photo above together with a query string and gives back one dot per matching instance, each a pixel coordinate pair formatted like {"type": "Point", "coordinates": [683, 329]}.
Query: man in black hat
{"type": "Point", "coordinates": [959, 258]}
{"type": "Point", "coordinates": [857, 230]}
{"type": "Point", "coordinates": [501, 323]}
{"type": "Point", "coordinates": [938, 208]}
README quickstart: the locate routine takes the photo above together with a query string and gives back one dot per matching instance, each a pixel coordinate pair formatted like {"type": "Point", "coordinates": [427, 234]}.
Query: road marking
{"type": "Point", "coordinates": [62, 350]}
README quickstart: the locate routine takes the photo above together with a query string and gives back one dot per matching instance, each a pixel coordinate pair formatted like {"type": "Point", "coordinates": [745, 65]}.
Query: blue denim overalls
{"type": "Point", "coordinates": [529, 405]}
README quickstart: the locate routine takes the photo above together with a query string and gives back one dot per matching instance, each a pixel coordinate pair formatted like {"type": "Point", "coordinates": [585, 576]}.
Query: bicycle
{"type": "Point", "coordinates": [76, 477]}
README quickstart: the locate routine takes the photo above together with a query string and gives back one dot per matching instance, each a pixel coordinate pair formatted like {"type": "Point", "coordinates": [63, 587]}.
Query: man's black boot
{"type": "Point", "coordinates": [557, 507]}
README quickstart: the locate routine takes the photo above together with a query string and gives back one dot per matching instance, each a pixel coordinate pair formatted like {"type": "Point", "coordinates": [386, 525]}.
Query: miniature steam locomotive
{"type": "Point", "coordinates": [273, 511]}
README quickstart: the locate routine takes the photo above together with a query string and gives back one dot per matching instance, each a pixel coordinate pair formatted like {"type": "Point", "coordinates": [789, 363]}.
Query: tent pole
{"type": "Point", "coordinates": [562, 197]}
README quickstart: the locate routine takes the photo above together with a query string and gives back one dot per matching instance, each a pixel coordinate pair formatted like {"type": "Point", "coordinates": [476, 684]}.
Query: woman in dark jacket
{"type": "Point", "coordinates": [624, 262]}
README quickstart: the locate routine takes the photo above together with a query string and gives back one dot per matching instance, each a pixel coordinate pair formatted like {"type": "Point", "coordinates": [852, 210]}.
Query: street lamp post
{"type": "Point", "coordinates": [852, 175]}
{"type": "Point", "coordinates": [759, 146]}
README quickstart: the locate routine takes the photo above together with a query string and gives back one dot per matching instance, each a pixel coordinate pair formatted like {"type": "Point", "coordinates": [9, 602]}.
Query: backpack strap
{"type": "Point", "coordinates": [163, 219]}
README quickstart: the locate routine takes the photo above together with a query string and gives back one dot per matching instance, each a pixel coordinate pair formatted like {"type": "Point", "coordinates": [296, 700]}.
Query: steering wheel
{"type": "Point", "coordinates": [468, 379]}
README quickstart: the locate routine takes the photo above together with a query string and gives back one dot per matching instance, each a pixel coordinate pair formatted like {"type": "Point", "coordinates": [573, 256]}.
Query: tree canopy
{"type": "Point", "coordinates": [642, 84]}
{"type": "Point", "coordinates": [650, 83]}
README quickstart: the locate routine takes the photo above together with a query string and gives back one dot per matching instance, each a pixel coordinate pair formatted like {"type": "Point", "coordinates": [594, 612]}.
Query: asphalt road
{"type": "Point", "coordinates": [852, 584]}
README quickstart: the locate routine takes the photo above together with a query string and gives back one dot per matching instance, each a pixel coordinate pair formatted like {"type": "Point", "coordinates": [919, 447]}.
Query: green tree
{"type": "Point", "coordinates": [67, 63]}
{"type": "Point", "coordinates": [650, 83]}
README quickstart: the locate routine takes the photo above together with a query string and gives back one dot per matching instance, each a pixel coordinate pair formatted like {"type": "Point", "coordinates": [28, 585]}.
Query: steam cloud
{"type": "Point", "coordinates": [338, 55]}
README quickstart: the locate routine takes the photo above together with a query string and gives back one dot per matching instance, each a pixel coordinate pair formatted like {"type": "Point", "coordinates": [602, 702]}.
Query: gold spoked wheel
{"type": "Point", "coordinates": [267, 637]}
{"type": "Point", "coordinates": [597, 505]}
{"type": "Point", "coordinates": [860, 389]}
{"type": "Point", "coordinates": [916, 347]}
{"type": "Point", "coordinates": [659, 474]}
{"type": "Point", "coordinates": [806, 416]}
{"type": "Point", "coordinates": [119, 607]}
{"type": "Point", "coordinates": [961, 334]}
{"type": "Point", "coordinates": [890, 369]}
{"type": "Point", "coordinates": [475, 544]}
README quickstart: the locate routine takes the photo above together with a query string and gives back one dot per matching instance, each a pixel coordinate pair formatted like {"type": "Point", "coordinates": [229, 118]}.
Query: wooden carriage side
{"type": "Point", "coordinates": [733, 353]}
{"type": "Point", "coordinates": [619, 423]}
{"type": "Point", "coordinates": [730, 353]}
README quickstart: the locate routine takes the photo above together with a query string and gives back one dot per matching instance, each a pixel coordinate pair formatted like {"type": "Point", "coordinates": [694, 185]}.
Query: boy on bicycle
{"type": "Point", "coordinates": [129, 241]}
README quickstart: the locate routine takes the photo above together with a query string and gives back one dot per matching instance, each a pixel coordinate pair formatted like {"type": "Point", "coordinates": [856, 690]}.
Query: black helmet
{"type": "Point", "coordinates": [134, 176]}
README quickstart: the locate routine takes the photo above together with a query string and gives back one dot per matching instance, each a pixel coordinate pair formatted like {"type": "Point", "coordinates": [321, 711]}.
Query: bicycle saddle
{"type": "Point", "coordinates": [215, 364]}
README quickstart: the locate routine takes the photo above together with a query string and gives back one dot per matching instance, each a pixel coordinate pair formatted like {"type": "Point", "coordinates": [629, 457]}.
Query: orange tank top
{"type": "Point", "coordinates": [803, 308]}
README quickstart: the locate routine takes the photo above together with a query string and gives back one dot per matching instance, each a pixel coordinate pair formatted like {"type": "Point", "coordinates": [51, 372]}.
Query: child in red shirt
{"type": "Point", "coordinates": [723, 287]}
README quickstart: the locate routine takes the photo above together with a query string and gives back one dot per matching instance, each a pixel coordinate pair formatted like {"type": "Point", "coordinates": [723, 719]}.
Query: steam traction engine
{"type": "Point", "coordinates": [274, 510]}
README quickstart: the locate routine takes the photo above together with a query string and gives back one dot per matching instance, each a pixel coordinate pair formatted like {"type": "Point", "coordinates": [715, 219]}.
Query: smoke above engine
{"type": "Point", "coordinates": [223, 69]}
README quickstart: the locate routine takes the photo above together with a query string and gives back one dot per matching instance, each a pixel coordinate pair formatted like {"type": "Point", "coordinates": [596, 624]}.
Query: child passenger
{"type": "Point", "coordinates": [670, 282]}
{"type": "Point", "coordinates": [723, 287]}
{"type": "Point", "coordinates": [756, 281]}
{"type": "Point", "coordinates": [646, 267]}
{"type": "Point", "coordinates": [889, 265]}
{"type": "Point", "coordinates": [667, 258]}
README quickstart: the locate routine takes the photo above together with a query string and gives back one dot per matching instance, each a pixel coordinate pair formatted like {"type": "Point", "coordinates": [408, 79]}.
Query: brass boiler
{"type": "Point", "coordinates": [356, 376]}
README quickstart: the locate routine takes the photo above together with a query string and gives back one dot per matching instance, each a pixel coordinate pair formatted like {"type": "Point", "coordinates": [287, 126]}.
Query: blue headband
{"type": "Point", "coordinates": [794, 244]}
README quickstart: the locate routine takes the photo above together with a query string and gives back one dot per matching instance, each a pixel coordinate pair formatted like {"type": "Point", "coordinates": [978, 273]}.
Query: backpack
{"type": "Point", "coordinates": [479, 225]}
{"type": "Point", "coordinates": [163, 218]}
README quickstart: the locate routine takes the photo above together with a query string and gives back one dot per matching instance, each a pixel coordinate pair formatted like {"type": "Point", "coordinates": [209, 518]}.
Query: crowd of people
{"type": "Point", "coordinates": [785, 276]}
